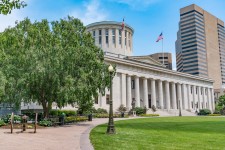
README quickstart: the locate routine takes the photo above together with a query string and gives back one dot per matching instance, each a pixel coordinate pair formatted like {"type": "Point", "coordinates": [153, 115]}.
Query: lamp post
{"type": "Point", "coordinates": [111, 128]}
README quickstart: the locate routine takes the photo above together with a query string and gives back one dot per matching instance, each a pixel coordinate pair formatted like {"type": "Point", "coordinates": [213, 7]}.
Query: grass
{"type": "Point", "coordinates": [162, 133]}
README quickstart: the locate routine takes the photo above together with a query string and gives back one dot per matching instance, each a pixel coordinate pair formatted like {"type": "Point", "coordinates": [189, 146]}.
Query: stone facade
{"type": "Point", "coordinates": [146, 82]}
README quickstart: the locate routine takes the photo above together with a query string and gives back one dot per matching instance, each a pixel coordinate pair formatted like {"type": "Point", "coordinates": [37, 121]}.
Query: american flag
{"type": "Point", "coordinates": [122, 26]}
{"type": "Point", "coordinates": [160, 37]}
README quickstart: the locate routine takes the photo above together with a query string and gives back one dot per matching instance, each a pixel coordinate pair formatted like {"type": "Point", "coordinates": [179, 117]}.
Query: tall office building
{"type": "Point", "coordinates": [200, 45]}
{"type": "Point", "coordinates": [164, 58]}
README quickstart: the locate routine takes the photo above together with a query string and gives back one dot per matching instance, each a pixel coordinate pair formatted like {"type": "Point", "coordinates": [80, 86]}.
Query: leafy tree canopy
{"type": "Point", "coordinates": [6, 6]}
{"type": "Point", "coordinates": [48, 62]}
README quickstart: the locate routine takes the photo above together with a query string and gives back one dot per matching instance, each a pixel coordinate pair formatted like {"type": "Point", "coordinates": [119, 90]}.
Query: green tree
{"type": "Point", "coordinates": [48, 62]}
{"type": "Point", "coordinates": [6, 6]}
{"type": "Point", "coordinates": [221, 104]}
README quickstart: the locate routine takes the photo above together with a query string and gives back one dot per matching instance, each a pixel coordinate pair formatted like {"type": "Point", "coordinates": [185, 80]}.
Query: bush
{"type": "Point", "coordinates": [204, 112]}
{"type": "Point", "coordinates": [139, 110]}
{"type": "Point", "coordinates": [149, 115]}
{"type": "Point", "coordinates": [81, 118]}
{"type": "Point", "coordinates": [214, 114]}
{"type": "Point", "coordinates": [122, 108]}
{"type": "Point", "coordinates": [2, 123]}
{"type": "Point", "coordinates": [45, 123]}
{"type": "Point", "coordinates": [7, 118]}
{"type": "Point", "coordinates": [107, 116]}
{"type": "Point", "coordinates": [70, 119]}
{"type": "Point", "coordinates": [101, 111]}
{"type": "Point", "coordinates": [68, 113]}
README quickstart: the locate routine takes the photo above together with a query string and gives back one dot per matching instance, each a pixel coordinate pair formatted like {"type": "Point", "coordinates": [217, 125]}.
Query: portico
{"type": "Point", "coordinates": [146, 85]}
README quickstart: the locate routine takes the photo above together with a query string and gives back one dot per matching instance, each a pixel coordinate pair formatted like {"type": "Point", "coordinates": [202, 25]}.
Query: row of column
{"type": "Point", "coordinates": [180, 94]}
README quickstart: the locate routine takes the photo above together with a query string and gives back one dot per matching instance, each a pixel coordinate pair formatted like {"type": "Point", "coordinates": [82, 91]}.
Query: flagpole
{"type": "Point", "coordinates": [162, 51]}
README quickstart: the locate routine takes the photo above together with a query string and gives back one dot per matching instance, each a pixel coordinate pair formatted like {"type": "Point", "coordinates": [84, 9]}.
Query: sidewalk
{"type": "Point", "coordinates": [68, 137]}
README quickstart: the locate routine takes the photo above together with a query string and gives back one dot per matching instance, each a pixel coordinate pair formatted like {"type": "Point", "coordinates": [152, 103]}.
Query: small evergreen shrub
{"type": "Point", "coordinates": [101, 111]}
{"type": "Point", "coordinates": [204, 112]}
{"type": "Point", "coordinates": [2, 123]}
{"type": "Point", "coordinates": [149, 115]}
{"type": "Point", "coordinates": [45, 123]}
{"type": "Point", "coordinates": [139, 110]}
{"type": "Point", "coordinates": [59, 112]}
{"type": "Point", "coordinates": [214, 114]}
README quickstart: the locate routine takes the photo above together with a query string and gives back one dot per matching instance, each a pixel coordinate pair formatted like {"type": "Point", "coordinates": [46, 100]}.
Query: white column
{"type": "Point", "coordinates": [209, 99]}
{"type": "Point", "coordinates": [123, 93]}
{"type": "Point", "coordinates": [145, 89]}
{"type": "Point", "coordinates": [204, 97]}
{"type": "Point", "coordinates": [128, 92]}
{"type": "Point", "coordinates": [160, 94]}
{"type": "Point", "coordinates": [193, 92]}
{"type": "Point", "coordinates": [174, 98]}
{"type": "Point", "coordinates": [167, 95]}
{"type": "Point", "coordinates": [137, 92]}
{"type": "Point", "coordinates": [184, 96]}
{"type": "Point", "coordinates": [153, 94]}
{"type": "Point", "coordinates": [212, 99]}
{"type": "Point", "coordinates": [199, 97]}
{"type": "Point", "coordinates": [189, 96]}
{"type": "Point", "coordinates": [179, 98]}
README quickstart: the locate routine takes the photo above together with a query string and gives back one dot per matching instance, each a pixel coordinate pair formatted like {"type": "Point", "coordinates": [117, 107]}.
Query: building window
{"type": "Point", "coordinates": [191, 90]}
{"type": "Point", "coordinates": [106, 36]}
{"type": "Point", "coordinates": [93, 34]}
{"type": "Point", "coordinates": [120, 37]}
{"type": "Point", "coordinates": [192, 105]}
{"type": "Point", "coordinates": [107, 98]}
{"type": "Point", "coordinates": [100, 36]}
{"type": "Point", "coordinates": [125, 38]}
{"type": "Point", "coordinates": [114, 36]}
{"type": "Point", "coordinates": [96, 99]}
{"type": "Point", "coordinates": [132, 84]}
{"type": "Point", "coordinates": [205, 91]}
{"type": "Point", "coordinates": [196, 90]}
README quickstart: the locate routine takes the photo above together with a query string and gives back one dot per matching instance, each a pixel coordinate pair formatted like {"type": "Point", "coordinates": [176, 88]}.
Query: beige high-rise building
{"type": "Point", "coordinates": [200, 45]}
{"type": "Point", "coordinates": [164, 58]}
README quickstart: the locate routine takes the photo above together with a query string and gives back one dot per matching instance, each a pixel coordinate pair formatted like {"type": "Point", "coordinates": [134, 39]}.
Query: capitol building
{"type": "Point", "coordinates": [143, 81]}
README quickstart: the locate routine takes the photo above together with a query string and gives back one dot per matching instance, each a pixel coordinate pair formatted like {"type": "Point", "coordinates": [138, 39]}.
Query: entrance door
{"type": "Point", "coordinates": [149, 101]}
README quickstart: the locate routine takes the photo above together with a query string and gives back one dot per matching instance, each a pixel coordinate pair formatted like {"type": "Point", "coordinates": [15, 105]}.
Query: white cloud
{"type": "Point", "coordinates": [92, 12]}
{"type": "Point", "coordinates": [137, 4]}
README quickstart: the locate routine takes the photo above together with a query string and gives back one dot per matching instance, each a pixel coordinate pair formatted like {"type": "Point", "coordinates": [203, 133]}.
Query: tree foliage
{"type": "Point", "coordinates": [48, 62]}
{"type": "Point", "coordinates": [6, 6]}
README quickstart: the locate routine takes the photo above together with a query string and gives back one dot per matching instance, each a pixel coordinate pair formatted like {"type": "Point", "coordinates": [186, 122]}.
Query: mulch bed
{"type": "Point", "coordinates": [19, 126]}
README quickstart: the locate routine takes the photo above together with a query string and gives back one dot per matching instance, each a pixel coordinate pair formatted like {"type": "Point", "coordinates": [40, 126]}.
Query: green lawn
{"type": "Point", "coordinates": [162, 133]}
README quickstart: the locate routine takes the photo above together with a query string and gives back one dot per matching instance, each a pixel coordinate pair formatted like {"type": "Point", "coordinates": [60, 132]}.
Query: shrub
{"type": "Point", "coordinates": [107, 116]}
{"type": "Point", "coordinates": [122, 108]}
{"type": "Point", "coordinates": [101, 111]}
{"type": "Point", "coordinates": [149, 115]}
{"type": "Point", "coordinates": [81, 118]}
{"type": "Point", "coordinates": [204, 112]}
{"type": "Point", "coordinates": [214, 114]}
{"type": "Point", "coordinates": [45, 123]}
{"type": "Point", "coordinates": [70, 119]}
{"type": "Point", "coordinates": [154, 108]}
{"type": "Point", "coordinates": [7, 118]}
{"type": "Point", "coordinates": [68, 113]}
{"type": "Point", "coordinates": [2, 123]}
{"type": "Point", "coordinates": [139, 110]}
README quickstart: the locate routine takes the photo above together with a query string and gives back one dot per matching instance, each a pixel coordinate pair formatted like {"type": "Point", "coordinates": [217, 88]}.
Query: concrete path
{"type": "Point", "coordinates": [69, 137]}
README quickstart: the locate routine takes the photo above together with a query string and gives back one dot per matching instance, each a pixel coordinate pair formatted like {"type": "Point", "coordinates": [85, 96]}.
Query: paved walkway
{"type": "Point", "coordinates": [69, 137]}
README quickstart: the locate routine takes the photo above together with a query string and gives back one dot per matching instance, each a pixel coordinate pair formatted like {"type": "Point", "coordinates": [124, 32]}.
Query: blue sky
{"type": "Point", "coordinates": [148, 17]}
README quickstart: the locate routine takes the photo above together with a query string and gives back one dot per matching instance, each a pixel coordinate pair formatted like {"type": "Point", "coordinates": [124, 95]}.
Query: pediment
{"type": "Point", "coordinates": [146, 59]}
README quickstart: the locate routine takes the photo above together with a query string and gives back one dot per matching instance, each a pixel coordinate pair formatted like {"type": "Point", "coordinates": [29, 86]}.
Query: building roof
{"type": "Point", "coordinates": [109, 23]}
